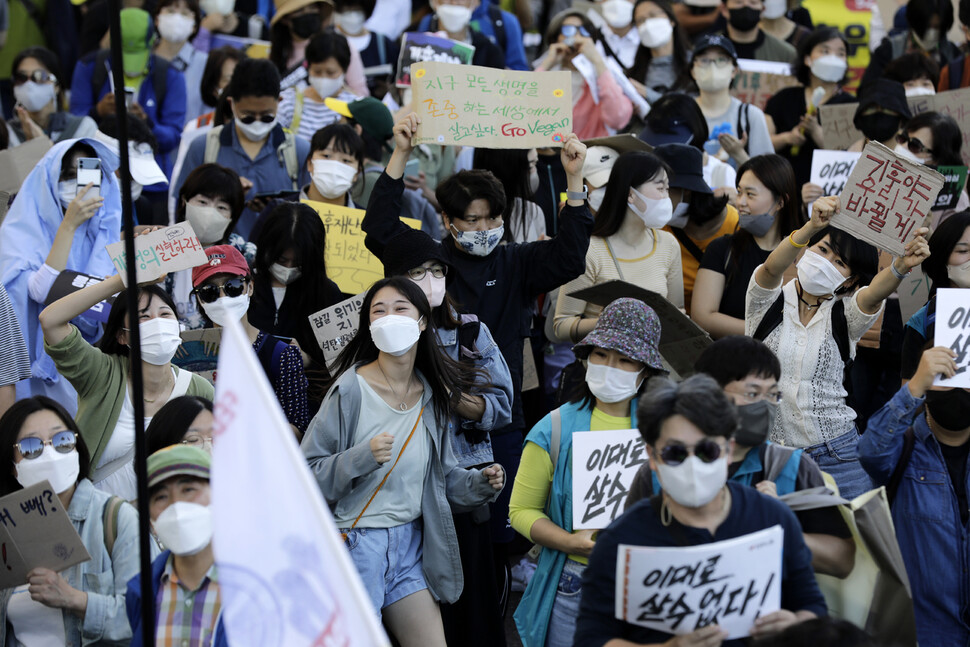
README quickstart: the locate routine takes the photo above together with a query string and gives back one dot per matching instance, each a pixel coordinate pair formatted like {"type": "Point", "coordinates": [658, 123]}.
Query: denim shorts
{"type": "Point", "coordinates": [839, 458]}
{"type": "Point", "coordinates": [565, 609]}
{"type": "Point", "coordinates": [388, 561]}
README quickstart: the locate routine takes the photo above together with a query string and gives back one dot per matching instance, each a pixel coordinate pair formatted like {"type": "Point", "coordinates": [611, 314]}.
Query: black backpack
{"type": "Point", "coordinates": [158, 73]}
{"type": "Point", "coordinates": [840, 327]}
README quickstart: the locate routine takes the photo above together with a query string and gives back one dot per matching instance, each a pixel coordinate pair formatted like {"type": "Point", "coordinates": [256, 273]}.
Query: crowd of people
{"type": "Point", "coordinates": [441, 435]}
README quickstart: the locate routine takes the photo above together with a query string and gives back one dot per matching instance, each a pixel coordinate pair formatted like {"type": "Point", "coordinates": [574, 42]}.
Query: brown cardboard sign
{"type": "Point", "coordinates": [17, 163]}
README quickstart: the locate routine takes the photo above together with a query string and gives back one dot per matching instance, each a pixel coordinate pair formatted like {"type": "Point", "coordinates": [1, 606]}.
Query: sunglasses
{"type": "Point", "coordinates": [706, 450]}
{"type": "Point", "coordinates": [63, 442]}
{"type": "Point", "coordinates": [248, 119]}
{"type": "Point", "coordinates": [37, 76]}
{"type": "Point", "coordinates": [571, 30]}
{"type": "Point", "coordinates": [232, 288]}
{"type": "Point", "coordinates": [916, 147]}
{"type": "Point", "coordinates": [418, 273]}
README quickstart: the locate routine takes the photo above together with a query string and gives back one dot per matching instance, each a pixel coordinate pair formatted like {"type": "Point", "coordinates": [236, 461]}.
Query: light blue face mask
{"type": "Point", "coordinates": [478, 243]}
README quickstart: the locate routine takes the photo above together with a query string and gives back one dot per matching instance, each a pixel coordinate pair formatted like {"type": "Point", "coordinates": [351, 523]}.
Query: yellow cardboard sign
{"type": "Point", "coordinates": [349, 263]}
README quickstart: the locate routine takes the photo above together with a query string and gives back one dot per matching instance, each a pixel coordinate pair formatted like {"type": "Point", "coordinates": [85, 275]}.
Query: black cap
{"type": "Point", "coordinates": [687, 164]}
{"type": "Point", "coordinates": [715, 40]}
{"type": "Point", "coordinates": [410, 249]}
{"type": "Point", "coordinates": [883, 93]}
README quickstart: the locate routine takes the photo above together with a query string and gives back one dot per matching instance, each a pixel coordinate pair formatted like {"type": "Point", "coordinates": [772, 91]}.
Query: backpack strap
{"type": "Point", "coordinates": [381, 49]}
{"type": "Point", "coordinates": [743, 122]}
{"type": "Point", "coordinates": [297, 112]}
{"type": "Point", "coordinates": [771, 320]}
{"type": "Point", "coordinates": [498, 26]}
{"type": "Point", "coordinates": [99, 75]}
{"type": "Point", "coordinates": [909, 441]}
{"type": "Point", "coordinates": [159, 76]}
{"type": "Point", "coordinates": [271, 356]}
{"type": "Point", "coordinates": [688, 244]}
{"type": "Point", "coordinates": [555, 438]}
{"type": "Point", "coordinates": [956, 72]}
{"type": "Point", "coordinates": [212, 145]}
{"type": "Point", "coordinates": [840, 330]}
{"type": "Point", "coordinates": [109, 517]}
{"type": "Point", "coordinates": [286, 152]}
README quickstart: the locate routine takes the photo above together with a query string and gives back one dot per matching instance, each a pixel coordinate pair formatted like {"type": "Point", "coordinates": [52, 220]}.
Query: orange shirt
{"type": "Point", "coordinates": [690, 263]}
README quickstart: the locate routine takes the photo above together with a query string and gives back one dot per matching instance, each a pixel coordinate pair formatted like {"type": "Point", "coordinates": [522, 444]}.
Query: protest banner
{"type": "Point", "coordinates": [953, 103]}
{"type": "Point", "coordinates": [251, 47]}
{"type": "Point", "coordinates": [953, 331]}
{"type": "Point", "coordinates": [167, 250]}
{"type": "Point", "coordinates": [730, 583]}
{"type": "Point", "coordinates": [757, 81]}
{"type": "Point", "coordinates": [68, 282]}
{"type": "Point", "coordinates": [488, 108]}
{"type": "Point", "coordinates": [199, 351]}
{"type": "Point", "coordinates": [954, 181]}
{"type": "Point", "coordinates": [830, 170]}
{"type": "Point", "coordinates": [335, 326]}
{"type": "Point", "coordinates": [887, 189]}
{"type": "Point", "coordinates": [852, 18]}
{"type": "Point", "coordinates": [420, 47]}
{"type": "Point", "coordinates": [914, 292]}
{"type": "Point", "coordinates": [36, 533]}
{"type": "Point", "coordinates": [604, 464]}
{"type": "Point", "coordinates": [17, 163]}
{"type": "Point", "coordinates": [838, 130]}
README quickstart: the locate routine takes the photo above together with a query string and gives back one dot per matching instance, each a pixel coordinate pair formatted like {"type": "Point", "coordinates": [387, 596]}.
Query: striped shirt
{"type": "Point", "coordinates": [304, 116]}
{"type": "Point", "coordinates": [14, 360]}
{"type": "Point", "coordinates": [186, 618]}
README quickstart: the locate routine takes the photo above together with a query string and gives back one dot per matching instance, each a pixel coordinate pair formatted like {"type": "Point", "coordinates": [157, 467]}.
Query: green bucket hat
{"type": "Point", "coordinates": [178, 460]}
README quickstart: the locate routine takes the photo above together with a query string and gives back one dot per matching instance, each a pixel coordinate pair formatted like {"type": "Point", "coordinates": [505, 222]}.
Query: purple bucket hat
{"type": "Point", "coordinates": [628, 326]}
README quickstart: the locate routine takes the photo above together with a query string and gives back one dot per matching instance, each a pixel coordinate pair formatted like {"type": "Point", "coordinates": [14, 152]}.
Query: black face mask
{"type": "Point", "coordinates": [949, 409]}
{"type": "Point", "coordinates": [879, 127]}
{"type": "Point", "coordinates": [745, 18]}
{"type": "Point", "coordinates": [756, 420]}
{"type": "Point", "coordinates": [306, 25]}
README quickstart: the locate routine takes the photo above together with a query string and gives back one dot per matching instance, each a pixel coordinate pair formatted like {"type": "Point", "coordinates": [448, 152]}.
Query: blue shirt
{"type": "Point", "coordinates": [514, 49]}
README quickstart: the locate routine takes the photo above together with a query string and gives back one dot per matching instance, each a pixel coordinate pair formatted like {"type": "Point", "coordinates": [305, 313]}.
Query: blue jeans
{"type": "Point", "coordinates": [389, 561]}
{"type": "Point", "coordinates": [562, 624]}
{"type": "Point", "coordinates": [839, 458]}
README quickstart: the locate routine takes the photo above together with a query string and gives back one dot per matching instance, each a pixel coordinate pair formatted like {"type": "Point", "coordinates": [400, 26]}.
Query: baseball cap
{"type": "Point", "coordinates": [715, 40]}
{"type": "Point", "coordinates": [178, 460]}
{"type": "Point", "coordinates": [141, 160]}
{"type": "Point", "coordinates": [598, 164]}
{"type": "Point", "coordinates": [372, 115]}
{"type": "Point", "coordinates": [687, 166]}
{"type": "Point", "coordinates": [137, 32]}
{"type": "Point", "coordinates": [222, 259]}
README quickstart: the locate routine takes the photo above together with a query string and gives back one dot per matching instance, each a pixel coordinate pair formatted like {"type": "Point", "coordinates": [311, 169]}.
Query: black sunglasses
{"type": "Point", "coordinates": [248, 119]}
{"type": "Point", "coordinates": [915, 146]}
{"type": "Point", "coordinates": [37, 76]}
{"type": "Point", "coordinates": [63, 442]}
{"type": "Point", "coordinates": [231, 288]}
{"type": "Point", "coordinates": [706, 450]}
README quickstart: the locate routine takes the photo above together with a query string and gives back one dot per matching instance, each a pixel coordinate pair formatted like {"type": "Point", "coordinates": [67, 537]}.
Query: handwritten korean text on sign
{"type": "Point", "coordinates": [953, 331]}
{"type": "Point", "coordinates": [335, 326]}
{"type": "Point", "coordinates": [468, 105]}
{"type": "Point", "coordinates": [604, 464]}
{"type": "Point", "coordinates": [166, 250]}
{"type": "Point", "coordinates": [886, 199]}
{"type": "Point", "coordinates": [679, 590]}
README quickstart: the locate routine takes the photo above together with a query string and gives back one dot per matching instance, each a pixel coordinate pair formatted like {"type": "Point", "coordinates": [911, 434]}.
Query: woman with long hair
{"type": "Point", "coordinates": [516, 169]}
{"type": "Point", "coordinates": [662, 55]}
{"type": "Point", "coordinates": [392, 397]}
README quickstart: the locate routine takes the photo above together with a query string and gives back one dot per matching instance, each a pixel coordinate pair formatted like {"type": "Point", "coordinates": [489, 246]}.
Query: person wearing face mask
{"type": "Point", "coordinates": [837, 283]}
{"type": "Point", "coordinates": [335, 162]}
{"type": "Point", "coordinates": [517, 170]}
{"type": "Point", "coordinates": [918, 73]}
{"type": "Point", "coordinates": [662, 49]}
{"type": "Point", "coordinates": [750, 40]}
{"type": "Point", "coordinates": [749, 372]}
{"type": "Point", "coordinates": [621, 354]}
{"type": "Point", "coordinates": [85, 603]}
{"type": "Point", "coordinates": [628, 243]}
{"type": "Point", "coordinates": [148, 180]}
{"type": "Point", "coordinates": [619, 32]}
{"type": "Point", "coordinates": [177, 22]}
{"type": "Point", "coordinates": [881, 114]}
{"type": "Point", "coordinates": [186, 420]}
{"type": "Point", "coordinates": [53, 226]}
{"type": "Point", "coordinates": [956, 73]}
{"type": "Point", "coordinates": [917, 446]}
{"type": "Point", "coordinates": [223, 287]}
{"type": "Point", "coordinates": [101, 375]}
{"type": "Point", "coordinates": [454, 18]}
{"type": "Point", "coordinates": [688, 429]}
{"type": "Point", "coordinates": [933, 139]}
{"type": "Point", "coordinates": [792, 114]}
{"type": "Point", "coordinates": [378, 53]}
{"type": "Point", "coordinates": [769, 211]}
{"type": "Point", "coordinates": [384, 424]}
{"type": "Point", "coordinates": [775, 21]}
{"type": "Point", "coordinates": [185, 579]}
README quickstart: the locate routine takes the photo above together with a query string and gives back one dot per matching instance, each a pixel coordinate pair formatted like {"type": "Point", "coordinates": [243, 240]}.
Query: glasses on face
{"type": "Point", "coordinates": [915, 146]}
{"type": "Point", "coordinates": [248, 119]}
{"type": "Point", "coordinates": [197, 440]}
{"type": "Point", "coordinates": [676, 453]}
{"type": "Point", "coordinates": [231, 288]}
{"type": "Point", "coordinates": [63, 442]}
{"type": "Point", "coordinates": [437, 271]}
{"type": "Point", "coordinates": [37, 76]}
{"type": "Point", "coordinates": [719, 61]}
{"type": "Point", "coordinates": [570, 31]}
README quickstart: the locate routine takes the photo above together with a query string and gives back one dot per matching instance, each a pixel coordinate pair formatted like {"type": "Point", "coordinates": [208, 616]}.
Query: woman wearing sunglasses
{"type": "Point", "coordinates": [84, 604]}
{"type": "Point", "coordinates": [40, 100]}
{"type": "Point", "coordinates": [223, 287]}
{"type": "Point", "coordinates": [688, 428]}
{"type": "Point", "coordinates": [572, 35]}
{"type": "Point", "coordinates": [621, 354]}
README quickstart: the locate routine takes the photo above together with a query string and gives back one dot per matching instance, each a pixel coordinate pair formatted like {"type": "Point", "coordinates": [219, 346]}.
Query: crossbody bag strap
{"type": "Point", "coordinates": [616, 263]}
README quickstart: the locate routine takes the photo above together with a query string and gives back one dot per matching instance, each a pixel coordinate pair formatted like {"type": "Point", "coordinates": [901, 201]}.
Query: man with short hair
{"type": "Point", "coordinates": [750, 40]}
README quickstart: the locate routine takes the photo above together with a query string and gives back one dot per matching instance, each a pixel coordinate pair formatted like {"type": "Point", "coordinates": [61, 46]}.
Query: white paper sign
{"type": "Point", "coordinates": [830, 170]}
{"type": "Point", "coordinates": [166, 250]}
{"type": "Point", "coordinates": [679, 590]}
{"type": "Point", "coordinates": [953, 331]}
{"type": "Point", "coordinates": [604, 464]}
{"type": "Point", "coordinates": [335, 326]}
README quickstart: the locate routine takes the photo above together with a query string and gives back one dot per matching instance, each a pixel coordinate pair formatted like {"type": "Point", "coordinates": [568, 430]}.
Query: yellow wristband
{"type": "Point", "coordinates": [793, 243]}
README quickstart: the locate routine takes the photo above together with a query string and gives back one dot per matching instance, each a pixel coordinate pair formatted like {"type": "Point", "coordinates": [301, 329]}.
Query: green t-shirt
{"type": "Point", "coordinates": [23, 32]}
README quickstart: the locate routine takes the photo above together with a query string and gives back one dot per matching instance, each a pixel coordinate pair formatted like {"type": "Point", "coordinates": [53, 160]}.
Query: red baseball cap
{"type": "Point", "coordinates": [223, 259]}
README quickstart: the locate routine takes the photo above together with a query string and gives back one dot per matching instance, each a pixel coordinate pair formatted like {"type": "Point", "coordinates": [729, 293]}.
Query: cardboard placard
{"type": "Point", "coordinates": [68, 282]}
{"type": "Point", "coordinates": [252, 47]}
{"type": "Point", "coordinates": [954, 180]}
{"type": "Point", "coordinates": [17, 163]}
{"type": "Point", "coordinates": [167, 250]}
{"type": "Point", "coordinates": [886, 199]}
{"type": "Point", "coordinates": [36, 533]}
{"type": "Point", "coordinates": [333, 327]}
{"type": "Point", "coordinates": [730, 583]}
{"type": "Point", "coordinates": [838, 130]}
{"type": "Point", "coordinates": [604, 464]}
{"type": "Point", "coordinates": [199, 352]}
{"type": "Point", "coordinates": [914, 292]}
{"type": "Point", "coordinates": [419, 47]}
{"type": "Point", "coordinates": [758, 81]}
{"type": "Point", "coordinates": [953, 331]}
{"type": "Point", "coordinates": [681, 340]}
{"type": "Point", "coordinates": [530, 374]}
{"type": "Point", "coordinates": [831, 170]}
{"type": "Point", "coordinates": [953, 103]}
{"type": "Point", "coordinates": [483, 107]}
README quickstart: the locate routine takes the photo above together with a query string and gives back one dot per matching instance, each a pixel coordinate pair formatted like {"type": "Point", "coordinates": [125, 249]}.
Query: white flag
{"type": "Point", "coordinates": [285, 576]}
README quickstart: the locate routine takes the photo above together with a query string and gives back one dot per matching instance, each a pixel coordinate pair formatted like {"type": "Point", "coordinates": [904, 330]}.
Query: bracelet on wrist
{"type": "Point", "coordinates": [793, 243]}
{"type": "Point", "coordinates": [899, 275]}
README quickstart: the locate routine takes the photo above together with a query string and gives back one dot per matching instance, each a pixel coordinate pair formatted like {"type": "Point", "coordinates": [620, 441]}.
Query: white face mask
{"type": "Point", "coordinates": [817, 275]}
{"type": "Point", "coordinates": [207, 223]}
{"type": "Point", "coordinates": [433, 288]}
{"type": "Point", "coordinates": [220, 7]}
{"type": "Point", "coordinates": [693, 483]}
{"type": "Point", "coordinates": [906, 154]}
{"type": "Point", "coordinates": [618, 13]}
{"type": "Point", "coordinates": [453, 18]}
{"type": "Point", "coordinates": [34, 96]}
{"type": "Point", "coordinates": [159, 340]}
{"type": "Point", "coordinates": [184, 528]}
{"type": "Point", "coordinates": [656, 214]}
{"type": "Point", "coordinates": [533, 182]}
{"type": "Point", "coordinates": [60, 469]}
{"type": "Point", "coordinates": [66, 192]}
{"type": "Point", "coordinates": [931, 39]}
{"type": "Point", "coordinates": [284, 275]}
{"type": "Point", "coordinates": [775, 9]}
{"type": "Point", "coordinates": [655, 32]}
{"type": "Point", "coordinates": [680, 218]}
{"type": "Point", "coordinates": [325, 86]}
{"type": "Point", "coordinates": [595, 198]}
{"type": "Point", "coordinates": [830, 68]}
{"type": "Point", "coordinates": [478, 243]}
{"type": "Point", "coordinates": [350, 22]}
{"type": "Point", "coordinates": [226, 309]}
{"type": "Point", "coordinates": [175, 27]}
{"type": "Point", "coordinates": [959, 275]}
{"type": "Point", "coordinates": [920, 91]}
{"type": "Point", "coordinates": [712, 78]}
{"type": "Point", "coordinates": [332, 178]}
{"type": "Point", "coordinates": [256, 131]}
{"type": "Point", "coordinates": [395, 334]}
{"type": "Point", "coordinates": [609, 384]}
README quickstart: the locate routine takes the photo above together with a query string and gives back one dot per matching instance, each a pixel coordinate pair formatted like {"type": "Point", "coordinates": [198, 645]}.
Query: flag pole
{"type": "Point", "coordinates": [134, 337]}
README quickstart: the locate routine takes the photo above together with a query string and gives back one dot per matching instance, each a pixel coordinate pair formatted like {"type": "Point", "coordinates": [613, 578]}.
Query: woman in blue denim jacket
{"type": "Point", "coordinates": [83, 604]}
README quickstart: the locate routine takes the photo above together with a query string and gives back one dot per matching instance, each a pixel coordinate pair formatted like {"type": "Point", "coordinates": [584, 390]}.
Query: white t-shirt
{"type": "Point", "coordinates": [34, 624]}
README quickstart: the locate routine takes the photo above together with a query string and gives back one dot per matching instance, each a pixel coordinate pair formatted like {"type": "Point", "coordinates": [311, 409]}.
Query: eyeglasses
{"type": "Point", "coordinates": [231, 288]}
{"type": "Point", "coordinates": [750, 397]}
{"type": "Point", "coordinates": [720, 61]}
{"type": "Point", "coordinates": [197, 440]}
{"type": "Point", "coordinates": [63, 442]}
{"type": "Point", "coordinates": [571, 30]}
{"type": "Point", "coordinates": [675, 454]}
{"type": "Point", "coordinates": [916, 147]}
{"type": "Point", "coordinates": [37, 76]}
{"type": "Point", "coordinates": [437, 271]}
{"type": "Point", "coordinates": [248, 119]}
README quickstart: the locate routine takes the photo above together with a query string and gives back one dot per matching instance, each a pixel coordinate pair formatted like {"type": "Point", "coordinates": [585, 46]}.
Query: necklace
{"type": "Point", "coordinates": [403, 406]}
{"type": "Point", "coordinates": [160, 394]}
{"type": "Point", "coordinates": [821, 300]}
